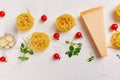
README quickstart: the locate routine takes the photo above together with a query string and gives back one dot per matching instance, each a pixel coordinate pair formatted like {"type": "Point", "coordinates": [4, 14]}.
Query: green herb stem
{"type": "Point", "coordinates": [24, 50]}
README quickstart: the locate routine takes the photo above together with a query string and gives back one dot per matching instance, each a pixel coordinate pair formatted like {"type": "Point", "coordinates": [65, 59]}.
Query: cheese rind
{"type": "Point", "coordinates": [94, 21]}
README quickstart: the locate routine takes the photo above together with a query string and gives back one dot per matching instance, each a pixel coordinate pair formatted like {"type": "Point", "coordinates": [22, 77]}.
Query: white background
{"type": "Point", "coordinates": [41, 66]}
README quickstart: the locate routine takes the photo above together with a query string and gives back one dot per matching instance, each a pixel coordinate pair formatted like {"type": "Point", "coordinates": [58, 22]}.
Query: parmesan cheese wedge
{"type": "Point", "coordinates": [94, 23]}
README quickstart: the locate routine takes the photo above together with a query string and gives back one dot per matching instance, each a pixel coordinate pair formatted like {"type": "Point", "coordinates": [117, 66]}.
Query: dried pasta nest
{"type": "Point", "coordinates": [65, 22]}
{"type": "Point", "coordinates": [24, 21]}
{"type": "Point", "coordinates": [39, 41]}
{"type": "Point", "coordinates": [117, 10]}
{"type": "Point", "coordinates": [115, 39]}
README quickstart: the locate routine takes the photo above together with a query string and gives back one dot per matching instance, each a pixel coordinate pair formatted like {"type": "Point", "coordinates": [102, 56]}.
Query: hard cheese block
{"type": "Point", "coordinates": [94, 23]}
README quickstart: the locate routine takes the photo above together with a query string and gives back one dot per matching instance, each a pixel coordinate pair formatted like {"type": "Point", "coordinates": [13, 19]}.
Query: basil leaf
{"type": "Point", "coordinates": [23, 58]}
{"type": "Point", "coordinates": [76, 53]}
{"type": "Point", "coordinates": [26, 50]}
{"type": "Point", "coordinates": [31, 52]}
{"type": "Point", "coordinates": [71, 48]}
{"type": "Point", "coordinates": [22, 50]}
{"type": "Point", "coordinates": [22, 45]}
{"type": "Point", "coordinates": [70, 54]}
{"type": "Point", "coordinates": [77, 49]}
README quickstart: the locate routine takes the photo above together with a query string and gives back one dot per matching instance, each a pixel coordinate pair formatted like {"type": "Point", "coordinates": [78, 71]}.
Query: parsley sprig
{"type": "Point", "coordinates": [24, 50]}
{"type": "Point", "coordinates": [74, 48]}
{"type": "Point", "coordinates": [91, 58]}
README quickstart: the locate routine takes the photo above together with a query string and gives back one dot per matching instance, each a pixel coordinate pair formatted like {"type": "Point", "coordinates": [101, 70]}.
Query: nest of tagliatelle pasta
{"type": "Point", "coordinates": [38, 41]}
{"type": "Point", "coordinates": [115, 40]}
{"type": "Point", "coordinates": [65, 22]}
{"type": "Point", "coordinates": [24, 21]}
{"type": "Point", "coordinates": [117, 11]}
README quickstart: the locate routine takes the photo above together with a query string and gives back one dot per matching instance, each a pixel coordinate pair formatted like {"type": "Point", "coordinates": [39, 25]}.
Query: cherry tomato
{"type": "Point", "coordinates": [78, 35]}
{"type": "Point", "coordinates": [56, 36]}
{"type": "Point", "coordinates": [56, 56]}
{"type": "Point", "coordinates": [114, 27]}
{"type": "Point", "coordinates": [2, 13]}
{"type": "Point", "coordinates": [3, 59]}
{"type": "Point", "coordinates": [43, 18]}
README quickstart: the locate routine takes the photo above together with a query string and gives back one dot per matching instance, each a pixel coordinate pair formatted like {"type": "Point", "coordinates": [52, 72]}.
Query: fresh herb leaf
{"type": "Point", "coordinates": [76, 53]}
{"type": "Point", "coordinates": [31, 52]}
{"type": "Point", "coordinates": [91, 58]}
{"type": "Point", "coordinates": [71, 47]}
{"type": "Point", "coordinates": [23, 58]}
{"type": "Point", "coordinates": [26, 50]}
{"type": "Point", "coordinates": [78, 49]}
{"type": "Point", "coordinates": [22, 45]}
{"type": "Point", "coordinates": [79, 44]}
{"type": "Point", "coordinates": [118, 56]}
{"type": "Point", "coordinates": [22, 50]}
{"type": "Point", "coordinates": [70, 54]}
{"type": "Point", "coordinates": [67, 42]}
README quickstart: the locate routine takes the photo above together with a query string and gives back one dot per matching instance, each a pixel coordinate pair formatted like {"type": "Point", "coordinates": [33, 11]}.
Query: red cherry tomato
{"type": "Point", "coordinates": [56, 36]}
{"type": "Point", "coordinates": [43, 18]}
{"type": "Point", "coordinates": [56, 56]}
{"type": "Point", "coordinates": [2, 13]}
{"type": "Point", "coordinates": [3, 59]}
{"type": "Point", "coordinates": [78, 35]}
{"type": "Point", "coordinates": [114, 27]}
